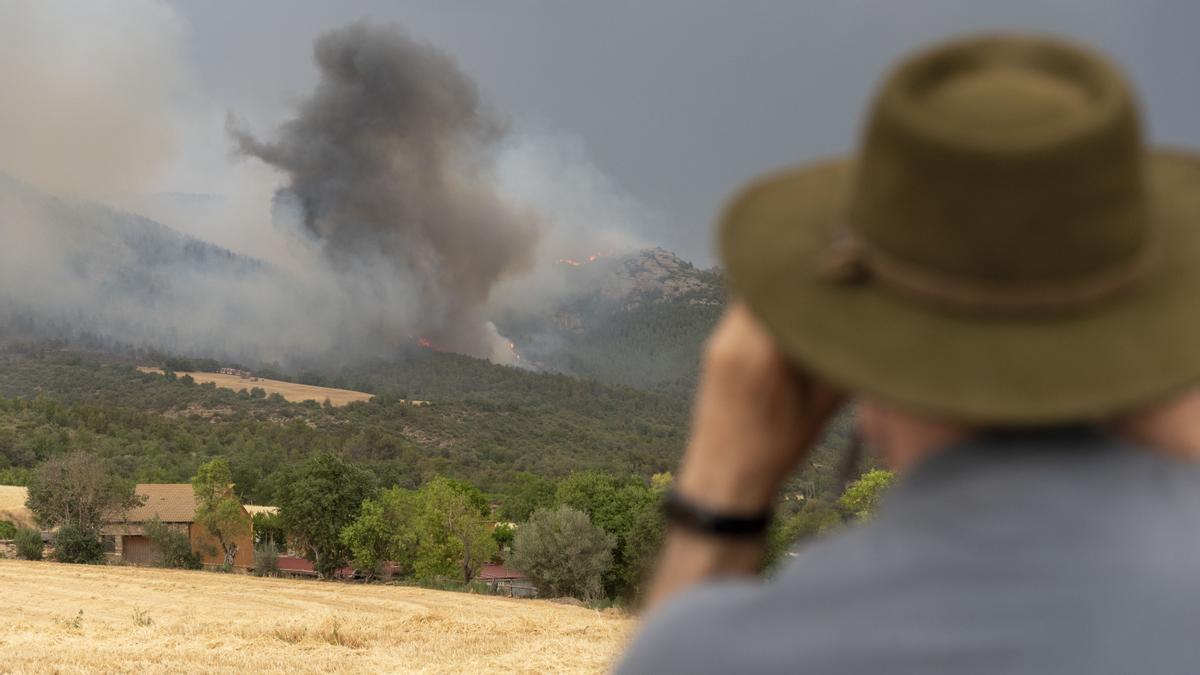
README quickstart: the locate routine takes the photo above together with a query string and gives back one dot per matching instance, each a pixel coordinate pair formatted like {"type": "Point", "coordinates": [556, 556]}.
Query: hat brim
{"type": "Point", "coordinates": [1117, 354]}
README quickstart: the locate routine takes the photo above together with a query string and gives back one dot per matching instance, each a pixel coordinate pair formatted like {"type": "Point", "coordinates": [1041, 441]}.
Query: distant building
{"type": "Point", "coordinates": [506, 580]}
{"type": "Point", "coordinates": [245, 374]}
{"type": "Point", "coordinates": [173, 504]}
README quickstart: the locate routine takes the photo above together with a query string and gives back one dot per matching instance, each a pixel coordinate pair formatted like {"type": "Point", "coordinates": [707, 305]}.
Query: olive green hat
{"type": "Point", "coordinates": [1002, 250]}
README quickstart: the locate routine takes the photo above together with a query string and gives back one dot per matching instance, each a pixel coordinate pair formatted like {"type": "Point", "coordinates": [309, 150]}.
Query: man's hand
{"type": "Point", "coordinates": [755, 419]}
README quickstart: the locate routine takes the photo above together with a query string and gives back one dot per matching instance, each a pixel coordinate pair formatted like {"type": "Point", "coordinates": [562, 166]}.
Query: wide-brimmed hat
{"type": "Point", "coordinates": [1002, 250]}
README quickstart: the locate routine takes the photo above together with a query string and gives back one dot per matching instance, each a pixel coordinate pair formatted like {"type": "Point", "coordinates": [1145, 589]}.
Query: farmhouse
{"type": "Point", "coordinates": [173, 504]}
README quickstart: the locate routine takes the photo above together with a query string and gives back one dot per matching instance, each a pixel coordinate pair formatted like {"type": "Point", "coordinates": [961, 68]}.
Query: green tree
{"type": "Point", "coordinates": [7, 530]}
{"type": "Point", "coordinates": [642, 546]}
{"type": "Point", "coordinates": [323, 496]}
{"type": "Point", "coordinates": [385, 531]}
{"type": "Point", "coordinates": [529, 493]}
{"type": "Point", "coordinates": [563, 553]}
{"type": "Point", "coordinates": [861, 497]}
{"type": "Point", "coordinates": [29, 544]}
{"type": "Point", "coordinates": [15, 475]}
{"type": "Point", "coordinates": [73, 544]}
{"type": "Point", "coordinates": [812, 518]}
{"type": "Point", "coordinates": [217, 507]}
{"type": "Point", "coordinates": [173, 547]}
{"type": "Point", "coordinates": [268, 530]}
{"type": "Point", "coordinates": [504, 534]}
{"type": "Point", "coordinates": [614, 505]}
{"type": "Point", "coordinates": [455, 532]}
{"type": "Point", "coordinates": [76, 489]}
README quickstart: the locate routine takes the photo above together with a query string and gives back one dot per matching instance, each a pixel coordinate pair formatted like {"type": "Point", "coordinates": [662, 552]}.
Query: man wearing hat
{"type": "Point", "coordinates": [1004, 282]}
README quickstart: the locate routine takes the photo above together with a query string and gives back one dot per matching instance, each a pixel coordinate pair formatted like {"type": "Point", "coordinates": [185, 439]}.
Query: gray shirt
{"type": "Point", "coordinates": [1062, 552]}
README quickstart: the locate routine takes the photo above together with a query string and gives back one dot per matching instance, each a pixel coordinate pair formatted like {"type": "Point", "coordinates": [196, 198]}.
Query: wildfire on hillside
{"type": "Point", "coordinates": [426, 343]}
{"type": "Point", "coordinates": [573, 262]}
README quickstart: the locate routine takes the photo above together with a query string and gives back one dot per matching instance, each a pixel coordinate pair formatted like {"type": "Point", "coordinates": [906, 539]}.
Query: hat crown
{"type": "Point", "coordinates": [1003, 162]}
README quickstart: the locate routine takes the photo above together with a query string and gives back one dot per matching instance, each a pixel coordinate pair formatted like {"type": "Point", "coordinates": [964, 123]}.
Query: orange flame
{"type": "Point", "coordinates": [590, 259]}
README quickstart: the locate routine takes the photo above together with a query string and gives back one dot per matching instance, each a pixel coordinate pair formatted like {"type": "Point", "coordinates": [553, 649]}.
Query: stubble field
{"type": "Point", "coordinates": [290, 391]}
{"type": "Point", "coordinates": [77, 618]}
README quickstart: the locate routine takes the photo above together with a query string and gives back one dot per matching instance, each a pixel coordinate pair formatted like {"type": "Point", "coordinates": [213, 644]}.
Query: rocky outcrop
{"type": "Point", "coordinates": [658, 275]}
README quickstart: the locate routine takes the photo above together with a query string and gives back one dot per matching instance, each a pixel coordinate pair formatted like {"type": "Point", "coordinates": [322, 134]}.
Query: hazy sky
{"type": "Point", "coordinates": [676, 101]}
{"type": "Point", "coordinates": [681, 100]}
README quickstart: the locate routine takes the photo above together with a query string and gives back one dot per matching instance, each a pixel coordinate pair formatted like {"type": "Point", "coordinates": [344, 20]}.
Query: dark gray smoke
{"type": "Point", "coordinates": [389, 163]}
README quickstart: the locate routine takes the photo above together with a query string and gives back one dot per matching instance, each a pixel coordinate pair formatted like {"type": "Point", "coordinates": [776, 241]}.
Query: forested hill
{"type": "Point", "coordinates": [155, 428]}
{"type": "Point", "coordinates": [74, 269]}
{"type": "Point", "coordinates": [486, 424]}
{"type": "Point", "coordinates": [103, 278]}
{"type": "Point", "coordinates": [637, 319]}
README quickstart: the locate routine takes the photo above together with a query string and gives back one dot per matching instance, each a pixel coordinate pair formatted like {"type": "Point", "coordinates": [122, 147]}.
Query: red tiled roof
{"type": "Point", "coordinates": [494, 572]}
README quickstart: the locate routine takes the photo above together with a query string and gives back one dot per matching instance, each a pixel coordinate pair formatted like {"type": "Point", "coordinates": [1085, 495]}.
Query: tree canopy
{"type": "Point", "coordinates": [218, 509]}
{"type": "Point", "coordinates": [387, 530]}
{"type": "Point", "coordinates": [323, 496]}
{"type": "Point", "coordinates": [564, 553]}
{"type": "Point", "coordinates": [76, 489]}
{"type": "Point", "coordinates": [455, 531]}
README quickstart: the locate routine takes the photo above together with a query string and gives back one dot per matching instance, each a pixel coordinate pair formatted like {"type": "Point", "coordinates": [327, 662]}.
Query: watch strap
{"type": "Point", "coordinates": [683, 512]}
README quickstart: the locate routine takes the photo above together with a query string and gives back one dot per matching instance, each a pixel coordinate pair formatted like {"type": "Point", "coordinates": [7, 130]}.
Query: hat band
{"type": "Point", "coordinates": [851, 259]}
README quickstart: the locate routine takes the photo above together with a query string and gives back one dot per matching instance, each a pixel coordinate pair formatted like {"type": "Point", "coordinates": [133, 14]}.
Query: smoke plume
{"type": "Point", "coordinates": [394, 209]}
{"type": "Point", "coordinates": [389, 163]}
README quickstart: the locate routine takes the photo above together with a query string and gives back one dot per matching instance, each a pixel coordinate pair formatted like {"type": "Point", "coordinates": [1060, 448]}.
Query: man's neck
{"type": "Point", "coordinates": [903, 440]}
{"type": "Point", "coordinates": [1171, 428]}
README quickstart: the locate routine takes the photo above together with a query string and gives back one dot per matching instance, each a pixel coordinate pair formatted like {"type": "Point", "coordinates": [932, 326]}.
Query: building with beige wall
{"type": "Point", "coordinates": [175, 505]}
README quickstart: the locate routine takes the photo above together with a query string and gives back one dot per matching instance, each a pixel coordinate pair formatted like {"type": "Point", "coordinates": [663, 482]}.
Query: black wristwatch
{"type": "Point", "coordinates": [685, 513]}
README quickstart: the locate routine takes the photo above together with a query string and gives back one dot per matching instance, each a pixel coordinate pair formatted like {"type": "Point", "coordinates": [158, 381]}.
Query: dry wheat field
{"type": "Point", "coordinates": [78, 618]}
{"type": "Point", "coordinates": [290, 391]}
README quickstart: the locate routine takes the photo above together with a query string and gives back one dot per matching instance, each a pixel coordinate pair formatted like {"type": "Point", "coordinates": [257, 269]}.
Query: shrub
{"type": "Point", "coordinates": [862, 496]}
{"type": "Point", "coordinates": [266, 561]}
{"type": "Point", "coordinates": [29, 544]}
{"type": "Point", "coordinates": [174, 549]}
{"type": "Point", "coordinates": [7, 530]}
{"type": "Point", "coordinates": [563, 553]}
{"type": "Point", "coordinates": [74, 544]}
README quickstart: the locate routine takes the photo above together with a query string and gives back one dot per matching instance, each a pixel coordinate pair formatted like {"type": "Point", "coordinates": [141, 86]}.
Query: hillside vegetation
{"type": "Point", "coordinates": [637, 319]}
{"type": "Point", "coordinates": [485, 424]}
{"type": "Point", "coordinates": [176, 621]}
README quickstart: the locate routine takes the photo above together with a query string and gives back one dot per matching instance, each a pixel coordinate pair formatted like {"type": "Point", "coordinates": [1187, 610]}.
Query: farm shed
{"type": "Point", "coordinates": [174, 504]}
{"type": "Point", "coordinates": [507, 580]}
